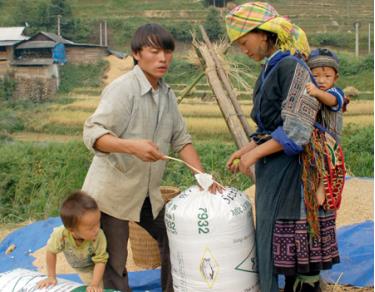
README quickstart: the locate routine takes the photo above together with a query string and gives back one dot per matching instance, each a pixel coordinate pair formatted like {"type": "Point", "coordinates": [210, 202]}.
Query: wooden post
{"type": "Point", "coordinates": [356, 26]}
{"type": "Point", "coordinates": [369, 38]}
{"type": "Point", "coordinates": [228, 87]}
{"type": "Point", "coordinates": [101, 33]}
{"type": "Point", "coordinates": [105, 34]}
{"type": "Point", "coordinates": [58, 25]}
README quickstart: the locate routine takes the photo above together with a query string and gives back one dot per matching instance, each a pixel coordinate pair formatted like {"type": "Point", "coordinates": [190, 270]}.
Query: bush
{"type": "Point", "coordinates": [83, 75]}
{"type": "Point", "coordinates": [217, 3]}
{"type": "Point", "coordinates": [337, 40]}
{"type": "Point", "coordinates": [357, 72]}
{"type": "Point", "coordinates": [34, 178]}
{"type": "Point", "coordinates": [7, 87]}
{"type": "Point", "coordinates": [10, 121]}
{"type": "Point", "coordinates": [354, 66]}
{"type": "Point", "coordinates": [214, 25]}
{"type": "Point", "coordinates": [181, 71]}
{"type": "Point", "coordinates": [181, 31]}
{"type": "Point", "coordinates": [341, 40]}
{"type": "Point", "coordinates": [358, 147]}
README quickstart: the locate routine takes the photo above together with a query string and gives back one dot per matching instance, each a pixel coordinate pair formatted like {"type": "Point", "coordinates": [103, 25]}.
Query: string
{"type": "Point", "coordinates": [191, 167]}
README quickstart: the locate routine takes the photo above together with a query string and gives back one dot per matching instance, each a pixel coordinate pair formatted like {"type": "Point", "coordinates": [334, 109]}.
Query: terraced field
{"type": "Point", "coordinates": [313, 16]}
{"type": "Point", "coordinates": [204, 119]}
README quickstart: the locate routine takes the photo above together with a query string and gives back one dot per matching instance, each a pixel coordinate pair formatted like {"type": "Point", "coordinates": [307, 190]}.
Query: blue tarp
{"type": "Point", "coordinates": [58, 54]}
{"type": "Point", "coordinates": [356, 246]}
{"type": "Point", "coordinates": [32, 237]}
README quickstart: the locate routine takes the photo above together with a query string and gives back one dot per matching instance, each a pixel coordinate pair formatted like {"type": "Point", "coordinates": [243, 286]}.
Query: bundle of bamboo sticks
{"type": "Point", "coordinates": [225, 95]}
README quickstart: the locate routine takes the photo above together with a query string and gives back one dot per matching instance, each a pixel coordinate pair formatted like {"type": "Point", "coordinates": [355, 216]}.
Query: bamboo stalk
{"type": "Point", "coordinates": [228, 87]}
{"type": "Point", "coordinates": [190, 87]}
{"type": "Point", "coordinates": [226, 107]}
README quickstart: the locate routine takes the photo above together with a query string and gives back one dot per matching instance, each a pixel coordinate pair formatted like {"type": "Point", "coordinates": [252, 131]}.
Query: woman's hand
{"type": "Point", "coordinates": [247, 160]}
{"type": "Point", "coordinates": [233, 162]}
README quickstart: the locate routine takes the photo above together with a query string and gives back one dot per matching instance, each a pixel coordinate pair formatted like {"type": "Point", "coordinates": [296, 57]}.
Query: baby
{"type": "Point", "coordinates": [324, 66]}
{"type": "Point", "coordinates": [81, 240]}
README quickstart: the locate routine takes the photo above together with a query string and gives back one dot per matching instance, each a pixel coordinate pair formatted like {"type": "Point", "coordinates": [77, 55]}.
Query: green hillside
{"type": "Point", "coordinates": [335, 17]}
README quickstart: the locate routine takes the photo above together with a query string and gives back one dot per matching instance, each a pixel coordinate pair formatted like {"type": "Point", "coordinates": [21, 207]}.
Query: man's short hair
{"type": "Point", "coordinates": [74, 206]}
{"type": "Point", "coordinates": [152, 35]}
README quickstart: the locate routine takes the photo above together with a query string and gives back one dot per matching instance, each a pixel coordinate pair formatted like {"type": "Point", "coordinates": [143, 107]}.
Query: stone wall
{"type": "Point", "coordinates": [35, 89]}
{"type": "Point", "coordinates": [85, 55]}
{"type": "Point", "coordinates": [35, 83]}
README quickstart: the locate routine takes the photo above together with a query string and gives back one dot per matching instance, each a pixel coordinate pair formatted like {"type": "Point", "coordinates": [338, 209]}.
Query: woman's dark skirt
{"type": "Point", "coordinates": [296, 252]}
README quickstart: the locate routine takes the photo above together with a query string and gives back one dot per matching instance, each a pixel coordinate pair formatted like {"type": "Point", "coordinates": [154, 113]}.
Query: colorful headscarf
{"type": "Point", "coordinates": [246, 17]}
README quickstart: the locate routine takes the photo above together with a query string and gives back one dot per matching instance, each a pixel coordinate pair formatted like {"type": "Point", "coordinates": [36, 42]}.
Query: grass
{"type": "Point", "coordinates": [358, 146]}
{"type": "Point", "coordinates": [35, 177]}
{"type": "Point", "coordinates": [84, 75]}
{"type": "Point", "coordinates": [128, 7]}
{"type": "Point", "coordinates": [68, 118]}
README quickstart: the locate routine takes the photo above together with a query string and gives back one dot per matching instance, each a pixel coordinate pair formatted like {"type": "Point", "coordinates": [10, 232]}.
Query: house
{"type": "Point", "coordinates": [9, 36]}
{"type": "Point", "coordinates": [45, 45]}
{"type": "Point", "coordinates": [36, 63]}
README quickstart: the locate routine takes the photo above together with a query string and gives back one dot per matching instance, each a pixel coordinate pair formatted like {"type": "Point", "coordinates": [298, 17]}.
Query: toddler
{"type": "Point", "coordinates": [81, 240]}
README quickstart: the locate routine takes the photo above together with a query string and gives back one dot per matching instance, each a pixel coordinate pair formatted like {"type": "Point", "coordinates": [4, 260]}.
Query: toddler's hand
{"type": "Point", "coordinates": [50, 281]}
{"type": "Point", "coordinates": [320, 194]}
{"type": "Point", "coordinates": [311, 89]}
{"type": "Point", "coordinates": [94, 288]}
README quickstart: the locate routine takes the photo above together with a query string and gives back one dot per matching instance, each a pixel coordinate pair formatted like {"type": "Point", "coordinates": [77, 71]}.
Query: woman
{"type": "Point", "coordinates": [285, 115]}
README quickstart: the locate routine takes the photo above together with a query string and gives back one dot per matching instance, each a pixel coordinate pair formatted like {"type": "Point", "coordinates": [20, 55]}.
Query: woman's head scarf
{"type": "Point", "coordinates": [246, 17]}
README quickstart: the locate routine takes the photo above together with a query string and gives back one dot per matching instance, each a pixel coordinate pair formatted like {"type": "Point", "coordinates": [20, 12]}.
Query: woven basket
{"type": "Point", "coordinates": [144, 247]}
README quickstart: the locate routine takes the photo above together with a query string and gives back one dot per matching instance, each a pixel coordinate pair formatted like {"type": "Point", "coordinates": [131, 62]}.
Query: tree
{"type": "Point", "coordinates": [214, 24]}
{"type": "Point", "coordinates": [216, 3]}
{"type": "Point", "coordinates": [60, 7]}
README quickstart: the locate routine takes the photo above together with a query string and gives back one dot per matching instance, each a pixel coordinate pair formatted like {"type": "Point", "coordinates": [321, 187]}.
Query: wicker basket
{"type": "Point", "coordinates": [144, 247]}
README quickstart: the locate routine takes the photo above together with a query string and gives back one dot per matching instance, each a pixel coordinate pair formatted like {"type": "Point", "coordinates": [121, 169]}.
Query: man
{"type": "Point", "coordinates": [134, 126]}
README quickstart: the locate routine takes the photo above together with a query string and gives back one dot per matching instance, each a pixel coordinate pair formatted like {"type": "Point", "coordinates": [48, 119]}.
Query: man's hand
{"type": "Point", "coordinates": [312, 89]}
{"type": "Point", "coordinates": [50, 281]}
{"type": "Point", "coordinates": [94, 288]}
{"type": "Point", "coordinates": [215, 188]}
{"type": "Point", "coordinates": [146, 150]}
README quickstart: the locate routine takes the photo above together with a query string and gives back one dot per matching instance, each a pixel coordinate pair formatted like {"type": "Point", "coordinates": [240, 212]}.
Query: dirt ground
{"type": "Point", "coordinates": [357, 206]}
{"type": "Point", "coordinates": [357, 201]}
{"type": "Point", "coordinates": [117, 67]}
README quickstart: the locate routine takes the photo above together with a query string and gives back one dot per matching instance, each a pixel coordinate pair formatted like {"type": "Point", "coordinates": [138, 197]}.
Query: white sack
{"type": "Point", "coordinates": [212, 244]}
{"type": "Point", "coordinates": [22, 280]}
